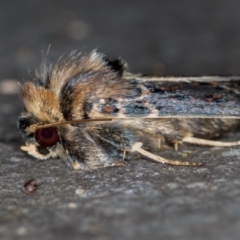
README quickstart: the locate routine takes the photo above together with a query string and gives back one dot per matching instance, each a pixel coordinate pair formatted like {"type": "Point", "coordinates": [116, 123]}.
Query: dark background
{"type": "Point", "coordinates": [145, 199]}
{"type": "Point", "coordinates": [167, 37]}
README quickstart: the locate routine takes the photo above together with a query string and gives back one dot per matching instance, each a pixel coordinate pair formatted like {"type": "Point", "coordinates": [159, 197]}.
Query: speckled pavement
{"type": "Point", "coordinates": [143, 200]}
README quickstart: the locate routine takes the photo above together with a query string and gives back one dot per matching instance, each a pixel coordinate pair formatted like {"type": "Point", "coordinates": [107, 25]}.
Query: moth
{"type": "Point", "coordinates": [91, 113]}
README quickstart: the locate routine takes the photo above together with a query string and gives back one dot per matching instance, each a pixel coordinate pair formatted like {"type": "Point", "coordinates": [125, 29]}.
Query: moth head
{"type": "Point", "coordinates": [41, 107]}
{"type": "Point", "coordinates": [59, 94]}
{"type": "Point", "coordinates": [41, 143]}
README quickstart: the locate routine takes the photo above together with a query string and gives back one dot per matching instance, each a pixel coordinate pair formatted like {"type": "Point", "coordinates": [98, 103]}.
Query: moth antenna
{"type": "Point", "coordinates": [71, 122]}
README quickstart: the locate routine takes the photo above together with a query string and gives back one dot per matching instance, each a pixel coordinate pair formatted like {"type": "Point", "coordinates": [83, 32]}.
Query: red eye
{"type": "Point", "coordinates": [46, 137]}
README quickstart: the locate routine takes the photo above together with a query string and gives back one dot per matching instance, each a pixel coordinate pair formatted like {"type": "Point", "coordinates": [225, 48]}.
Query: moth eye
{"type": "Point", "coordinates": [46, 137]}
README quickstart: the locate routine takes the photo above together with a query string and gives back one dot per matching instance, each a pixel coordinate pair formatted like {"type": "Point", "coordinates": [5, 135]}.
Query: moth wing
{"type": "Point", "coordinates": [181, 97]}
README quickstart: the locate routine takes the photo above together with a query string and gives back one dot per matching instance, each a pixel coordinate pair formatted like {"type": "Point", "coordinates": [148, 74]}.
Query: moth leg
{"type": "Point", "coordinates": [76, 165]}
{"type": "Point", "coordinates": [136, 147]}
{"type": "Point", "coordinates": [124, 154]}
{"type": "Point", "coordinates": [199, 141]}
{"type": "Point", "coordinates": [159, 144]}
{"type": "Point", "coordinates": [176, 146]}
{"type": "Point", "coordinates": [159, 141]}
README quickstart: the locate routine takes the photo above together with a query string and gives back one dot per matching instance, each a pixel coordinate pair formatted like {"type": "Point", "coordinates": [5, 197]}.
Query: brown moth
{"type": "Point", "coordinates": [90, 113]}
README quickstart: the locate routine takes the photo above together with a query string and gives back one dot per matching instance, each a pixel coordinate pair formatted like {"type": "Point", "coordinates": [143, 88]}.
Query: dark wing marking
{"type": "Point", "coordinates": [215, 97]}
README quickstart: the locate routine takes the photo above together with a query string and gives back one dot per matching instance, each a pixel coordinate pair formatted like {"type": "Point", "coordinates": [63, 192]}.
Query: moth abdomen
{"type": "Point", "coordinates": [209, 128]}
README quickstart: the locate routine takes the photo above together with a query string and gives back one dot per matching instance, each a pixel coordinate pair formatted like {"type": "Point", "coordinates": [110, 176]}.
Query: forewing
{"type": "Point", "coordinates": [173, 97]}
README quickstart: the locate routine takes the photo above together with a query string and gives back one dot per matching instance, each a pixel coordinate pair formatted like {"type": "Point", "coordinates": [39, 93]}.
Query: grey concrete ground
{"type": "Point", "coordinates": [144, 200]}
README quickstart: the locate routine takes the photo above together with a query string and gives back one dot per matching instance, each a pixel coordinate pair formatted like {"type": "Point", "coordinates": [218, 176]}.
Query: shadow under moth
{"type": "Point", "coordinates": [91, 113]}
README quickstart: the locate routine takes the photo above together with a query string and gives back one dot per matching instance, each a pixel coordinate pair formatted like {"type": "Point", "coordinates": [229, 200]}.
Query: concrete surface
{"type": "Point", "coordinates": [144, 200]}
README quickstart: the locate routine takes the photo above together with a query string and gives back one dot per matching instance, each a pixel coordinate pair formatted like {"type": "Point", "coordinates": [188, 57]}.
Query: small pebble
{"type": "Point", "coordinates": [30, 186]}
{"type": "Point", "coordinates": [80, 191]}
{"type": "Point", "coordinates": [21, 231]}
{"type": "Point", "coordinates": [72, 205]}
